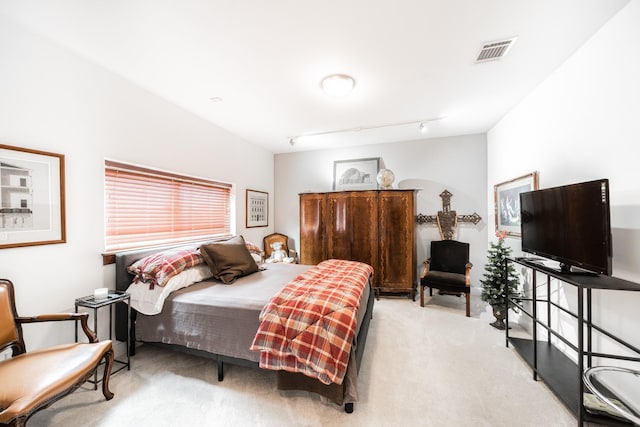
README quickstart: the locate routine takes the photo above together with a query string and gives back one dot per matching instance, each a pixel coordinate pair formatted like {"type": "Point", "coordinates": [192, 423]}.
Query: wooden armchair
{"type": "Point", "coordinates": [267, 241]}
{"type": "Point", "coordinates": [448, 269]}
{"type": "Point", "coordinates": [30, 381]}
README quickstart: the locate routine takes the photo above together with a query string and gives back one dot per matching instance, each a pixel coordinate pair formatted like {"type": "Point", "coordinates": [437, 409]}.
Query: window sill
{"type": "Point", "coordinates": [108, 258]}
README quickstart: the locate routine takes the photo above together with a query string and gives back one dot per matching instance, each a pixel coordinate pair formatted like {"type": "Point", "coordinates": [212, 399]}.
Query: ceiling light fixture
{"type": "Point", "coordinates": [421, 123]}
{"type": "Point", "coordinates": [337, 85]}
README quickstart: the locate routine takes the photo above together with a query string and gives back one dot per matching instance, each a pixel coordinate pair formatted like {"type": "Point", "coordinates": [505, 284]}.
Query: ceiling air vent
{"type": "Point", "coordinates": [495, 50]}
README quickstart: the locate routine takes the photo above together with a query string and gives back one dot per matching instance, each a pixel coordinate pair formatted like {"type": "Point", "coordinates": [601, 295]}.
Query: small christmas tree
{"type": "Point", "coordinates": [493, 282]}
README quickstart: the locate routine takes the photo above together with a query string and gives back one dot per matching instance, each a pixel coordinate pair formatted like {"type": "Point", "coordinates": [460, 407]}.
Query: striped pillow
{"type": "Point", "coordinates": [253, 248]}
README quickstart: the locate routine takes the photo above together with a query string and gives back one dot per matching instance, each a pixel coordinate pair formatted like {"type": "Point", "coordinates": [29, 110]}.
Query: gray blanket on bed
{"type": "Point", "coordinates": [214, 317]}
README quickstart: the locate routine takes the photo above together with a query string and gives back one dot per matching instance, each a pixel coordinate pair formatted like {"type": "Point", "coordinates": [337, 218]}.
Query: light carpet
{"type": "Point", "coordinates": [423, 366]}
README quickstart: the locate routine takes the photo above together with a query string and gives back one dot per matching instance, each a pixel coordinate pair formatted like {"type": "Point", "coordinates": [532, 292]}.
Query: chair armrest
{"type": "Point", "coordinates": [467, 274]}
{"type": "Point", "coordinates": [425, 270]}
{"type": "Point", "coordinates": [54, 317]}
{"type": "Point", "coordinates": [57, 317]}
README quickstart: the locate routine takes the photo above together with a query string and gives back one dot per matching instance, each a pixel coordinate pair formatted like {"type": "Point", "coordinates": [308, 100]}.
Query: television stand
{"type": "Point", "coordinates": [568, 269]}
{"type": "Point", "coordinates": [565, 268]}
{"type": "Point", "coordinates": [560, 372]}
{"type": "Point", "coordinates": [529, 258]}
{"type": "Point", "coordinates": [581, 273]}
{"type": "Point", "coordinates": [541, 264]}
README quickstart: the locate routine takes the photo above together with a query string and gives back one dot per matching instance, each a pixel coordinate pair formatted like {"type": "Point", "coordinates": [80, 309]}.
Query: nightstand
{"type": "Point", "coordinates": [112, 298]}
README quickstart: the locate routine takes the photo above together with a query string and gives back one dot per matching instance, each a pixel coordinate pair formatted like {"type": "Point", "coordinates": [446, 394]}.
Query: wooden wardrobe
{"type": "Point", "coordinates": [372, 226]}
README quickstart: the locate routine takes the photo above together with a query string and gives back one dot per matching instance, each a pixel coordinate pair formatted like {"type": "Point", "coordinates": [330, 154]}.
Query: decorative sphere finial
{"type": "Point", "coordinates": [385, 178]}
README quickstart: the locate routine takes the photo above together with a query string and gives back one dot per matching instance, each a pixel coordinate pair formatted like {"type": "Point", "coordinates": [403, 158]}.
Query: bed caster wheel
{"type": "Point", "coordinates": [348, 407]}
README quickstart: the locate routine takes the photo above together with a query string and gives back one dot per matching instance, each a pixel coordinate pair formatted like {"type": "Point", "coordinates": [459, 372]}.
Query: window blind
{"type": "Point", "coordinates": [146, 207]}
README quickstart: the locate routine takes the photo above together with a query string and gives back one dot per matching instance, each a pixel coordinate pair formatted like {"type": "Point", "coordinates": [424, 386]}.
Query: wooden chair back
{"type": "Point", "coordinates": [10, 330]}
{"type": "Point", "coordinates": [273, 238]}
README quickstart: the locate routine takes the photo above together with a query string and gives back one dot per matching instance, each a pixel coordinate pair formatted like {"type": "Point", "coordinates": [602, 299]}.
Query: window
{"type": "Point", "coordinates": [146, 207]}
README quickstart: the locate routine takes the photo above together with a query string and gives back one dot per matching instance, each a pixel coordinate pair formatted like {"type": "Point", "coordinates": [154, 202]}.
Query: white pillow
{"type": "Point", "coordinates": [150, 301]}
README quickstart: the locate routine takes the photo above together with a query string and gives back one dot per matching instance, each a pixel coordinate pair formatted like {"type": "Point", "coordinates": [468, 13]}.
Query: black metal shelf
{"type": "Point", "coordinates": [558, 371]}
{"type": "Point", "coordinates": [582, 279]}
{"type": "Point", "coordinates": [562, 374]}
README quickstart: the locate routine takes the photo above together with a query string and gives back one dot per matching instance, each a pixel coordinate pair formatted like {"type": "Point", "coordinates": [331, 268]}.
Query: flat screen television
{"type": "Point", "coordinates": [569, 224]}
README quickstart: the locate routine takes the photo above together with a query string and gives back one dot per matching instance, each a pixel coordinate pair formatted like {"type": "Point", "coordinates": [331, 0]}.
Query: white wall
{"type": "Point", "coordinates": [457, 164]}
{"type": "Point", "coordinates": [583, 123]}
{"type": "Point", "coordinates": [53, 100]}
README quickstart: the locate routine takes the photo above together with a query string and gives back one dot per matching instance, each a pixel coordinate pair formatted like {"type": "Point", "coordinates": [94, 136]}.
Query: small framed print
{"type": "Point", "coordinates": [257, 208]}
{"type": "Point", "coordinates": [507, 202]}
{"type": "Point", "coordinates": [32, 208]}
{"type": "Point", "coordinates": [356, 174]}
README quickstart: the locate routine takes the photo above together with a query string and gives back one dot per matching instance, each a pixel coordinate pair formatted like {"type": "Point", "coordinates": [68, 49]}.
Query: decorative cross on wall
{"type": "Point", "coordinates": [446, 219]}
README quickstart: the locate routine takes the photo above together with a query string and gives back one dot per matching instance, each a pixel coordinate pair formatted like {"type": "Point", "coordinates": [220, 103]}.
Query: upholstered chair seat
{"type": "Point", "coordinates": [28, 379]}
{"type": "Point", "coordinates": [444, 280]}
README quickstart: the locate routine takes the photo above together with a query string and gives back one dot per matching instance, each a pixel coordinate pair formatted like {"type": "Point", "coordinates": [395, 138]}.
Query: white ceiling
{"type": "Point", "coordinates": [412, 59]}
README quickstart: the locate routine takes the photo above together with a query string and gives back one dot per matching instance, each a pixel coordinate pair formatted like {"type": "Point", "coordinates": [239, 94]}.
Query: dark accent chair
{"type": "Point", "coordinates": [448, 270]}
{"type": "Point", "coordinates": [31, 381]}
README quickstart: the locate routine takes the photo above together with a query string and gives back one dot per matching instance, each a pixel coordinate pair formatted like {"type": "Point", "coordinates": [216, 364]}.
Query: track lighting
{"type": "Point", "coordinates": [423, 125]}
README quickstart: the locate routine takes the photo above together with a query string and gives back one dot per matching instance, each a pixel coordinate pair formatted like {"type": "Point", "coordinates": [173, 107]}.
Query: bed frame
{"type": "Point", "coordinates": [286, 380]}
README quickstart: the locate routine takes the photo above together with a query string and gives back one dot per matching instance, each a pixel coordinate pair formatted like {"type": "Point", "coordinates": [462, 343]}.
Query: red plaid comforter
{"type": "Point", "coordinates": [308, 327]}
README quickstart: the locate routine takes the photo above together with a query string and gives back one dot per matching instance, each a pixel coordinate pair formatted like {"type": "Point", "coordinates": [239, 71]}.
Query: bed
{"type": "Point", "coordinates": [219, 321]}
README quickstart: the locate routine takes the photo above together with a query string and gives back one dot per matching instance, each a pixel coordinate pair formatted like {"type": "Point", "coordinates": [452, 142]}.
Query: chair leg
{"type": "Point", "coordinates": [108, 365]}
{"type": "Point", "coordinates": [468, 297]}
{"type": "Point", "coordinates": [430, 292]}
{"type": "Point", "coordinates": [421, 296]}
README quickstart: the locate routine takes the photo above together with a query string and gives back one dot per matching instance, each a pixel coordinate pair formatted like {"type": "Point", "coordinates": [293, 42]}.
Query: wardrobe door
{"type": "Point", "coordinates": [312, 228]}
{"type": "Point", "coordinates": [339, 225]}
{"type": "Point", "coordinates": [397, 269]}
{"type": "Point", "coordinates": [364, 227]}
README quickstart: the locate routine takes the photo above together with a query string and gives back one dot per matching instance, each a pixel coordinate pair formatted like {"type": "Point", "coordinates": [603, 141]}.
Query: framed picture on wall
{"type": "Point", "coordinates": [257, 208]}
{"type": "Point", "coordinates": [356, 174]}
{"type": "Point", "coordinates": [32, 205]}
{"type": "Point", "coordinates": [507, 202]}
